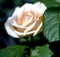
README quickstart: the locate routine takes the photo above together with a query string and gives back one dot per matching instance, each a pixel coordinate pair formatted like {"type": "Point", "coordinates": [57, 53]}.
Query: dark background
{"type": "Point", "coordinates": [6, 9]}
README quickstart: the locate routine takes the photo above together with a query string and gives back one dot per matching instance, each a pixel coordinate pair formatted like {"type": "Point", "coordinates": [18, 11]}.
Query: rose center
{"type": "Point", "coordinates": [25, 18]}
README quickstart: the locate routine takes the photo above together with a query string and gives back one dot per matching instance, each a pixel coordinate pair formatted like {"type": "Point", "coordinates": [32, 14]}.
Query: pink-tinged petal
{"type": "Point", "coordinates": [16, 25]}
{"type": "Point", "coordinates": [37, 24]}
{"type": "Point", "coordinates": [37, 30]}
{"type": "Point", "coordinates": [30, 27]}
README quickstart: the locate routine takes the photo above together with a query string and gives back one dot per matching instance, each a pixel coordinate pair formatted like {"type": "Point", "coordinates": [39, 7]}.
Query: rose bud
{"type": "Point", "coordinates": [26, 20]}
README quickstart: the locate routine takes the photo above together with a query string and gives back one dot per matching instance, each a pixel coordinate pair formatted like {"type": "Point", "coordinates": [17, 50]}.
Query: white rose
{"type": "Point", "coordinates": [26, 20]}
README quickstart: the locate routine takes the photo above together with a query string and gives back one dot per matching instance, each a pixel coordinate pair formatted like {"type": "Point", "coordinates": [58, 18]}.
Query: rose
{"type": "Point", "coordinates": [26, 20]}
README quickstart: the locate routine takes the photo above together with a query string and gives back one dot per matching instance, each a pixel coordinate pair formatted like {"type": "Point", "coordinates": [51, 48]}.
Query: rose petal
{"type": "Point", "coordinates": [16, 11]}
{"type": "Point", "coordinates": [40, 8]}
{"type": "Point", "coordinates": [10, 29]}
{"type": "Point", "coordinates": [27, 21]}
{"type": "Point", "coordinates": [23, 34]}
{"type": "Point", "coordinates": [37, 30]}
{"type": "Point", "coordinates": [16, 25]}
{"type": "Point", "coordinates": [37, 24]}
{"type": "Point", "coordinates": [31, 26]}
{"type": "Point", "coordinates": [27, 6]}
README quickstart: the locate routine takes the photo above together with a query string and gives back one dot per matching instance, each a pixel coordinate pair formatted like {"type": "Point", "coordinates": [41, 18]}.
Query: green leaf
{"type": "Point", "coordinates": [51, 3]}
{"type": "Point", "coordinates": [25, 39]}
{"type": "Point", "coordinates": [22, 40]}
{"type": "Point", "coordinates": [51, 24]}
{"type": "Point", "coordinates": [18, 3]}
{"type": "Point", "coordinates": [12, 51]}
{"type": "Point", "coordinates": [43, 51]}
{"type": "Point", "coordinates": [37, 37]}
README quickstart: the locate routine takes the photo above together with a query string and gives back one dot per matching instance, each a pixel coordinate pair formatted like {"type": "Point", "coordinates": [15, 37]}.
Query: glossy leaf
{"type": "Point", "coordinates": [51, 24]}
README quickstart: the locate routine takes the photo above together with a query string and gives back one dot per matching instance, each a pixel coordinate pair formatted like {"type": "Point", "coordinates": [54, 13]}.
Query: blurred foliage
{"type": "Point", "coordinates": [28, 39]}
{"type": "Point", "coordinates": [12, 51]}
{"type": "Point", "coordinates": [51, 3]}
{"type": "Point", "coordinates": [42, 51]}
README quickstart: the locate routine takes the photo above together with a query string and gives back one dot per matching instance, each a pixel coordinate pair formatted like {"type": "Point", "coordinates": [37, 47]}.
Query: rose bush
{"type": "Point", "coordinates": [26, 20]}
